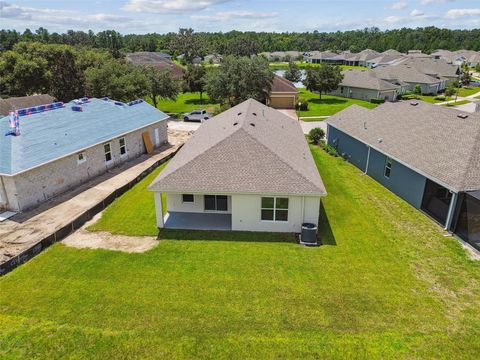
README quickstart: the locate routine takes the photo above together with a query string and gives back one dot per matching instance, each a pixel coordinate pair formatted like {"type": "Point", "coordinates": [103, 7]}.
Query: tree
{"type": "Point", "coordinates": [242, 46]}
{"type": "Point", "coordinates": [450, 91]}
{"type": "Point", "coordinates": [186, 42]}
{"type": "Point", "coordinates": [465, 76]}
{"type": "Point", "coordinates": [161, 84]}
{"type": "Point", "coordinates": [477, 67]}
{"type": "Point", "coordinates": [316, 134]}
{"type": "Point", "coordinates": [417, 90]}
{"type": "Point", "coordinates": [194, 79]}
{"type": "Point", "coordinates": [324, 78]}
{"type": "Point", "coordinates": [238, 79]}
{"type": "Point", "coordinates": [293, 73]}
{"type": "Point", "coordinates": [117, 80]}
{"type": "Point", "coordinates": [67, 81]}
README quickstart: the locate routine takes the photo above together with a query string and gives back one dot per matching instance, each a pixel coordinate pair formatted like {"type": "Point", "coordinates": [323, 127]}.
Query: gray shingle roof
{"type": "Point", "coordinates": [229, 155]}
{"type": "Point", "coordinates": [428, 138]}
{"type": "Point", "coordinates": [365, 79]}
{"type": "Point", "coordinates": [57, 133]}
{"type": "Point", "coordinates": [405, 73]}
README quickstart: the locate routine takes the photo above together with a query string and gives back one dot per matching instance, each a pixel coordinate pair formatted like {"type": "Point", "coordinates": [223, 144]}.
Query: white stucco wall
{"type": "Point", "coordinates": [175, 203]}
{"type": "Point", "coordinates": [29, 189]}
{"type": "Point", "coordinates": [246, 214]}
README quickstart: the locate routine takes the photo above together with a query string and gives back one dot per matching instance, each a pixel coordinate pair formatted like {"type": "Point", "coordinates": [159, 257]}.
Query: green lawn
{"type": "Point", "coordinates": [459, 102]}
{"type": "Point", "coordinates": [185, 102]}
{"type": "Point", "coordinates": [388, 285]}
{"type": "Point", "coordinates": [468, 91]}
{"type": "Point", "coordinates": [329, 104]}
{"type": "Point", "coordinates": [432, 98]}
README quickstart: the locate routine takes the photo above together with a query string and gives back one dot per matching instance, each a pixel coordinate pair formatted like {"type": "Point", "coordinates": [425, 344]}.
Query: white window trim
{"type": "Point", "coordinates": [387, 161]}
{"type": "Point", "coordinates": [124, 146]}
{"type": "Point", "coordinates": [109, 152]}
{"type": "Point", "coordinates": [81, 161]}
{"type": "Point", "coordinates": [188, 202]}
{"type": "Point", "coordinates": [274, 209]}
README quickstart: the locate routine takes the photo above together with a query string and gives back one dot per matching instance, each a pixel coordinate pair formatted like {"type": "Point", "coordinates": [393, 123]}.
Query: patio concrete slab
{"type": "Point", "coordinates": [198, 221]}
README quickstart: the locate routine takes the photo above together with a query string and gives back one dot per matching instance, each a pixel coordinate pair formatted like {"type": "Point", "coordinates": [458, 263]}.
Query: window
{"type": "Point", "coordinates": [388, 168]}
{"type": "Point", "coordinates": [108, 152]}
{"type": "Point", "coordinates": [341, 89]}
{"type": "Point", "coordinates": [81, 158]}
{"type": "Point", "coordinates": [274, 209]}
{"type": "Point", "coordinates": [216, 203]}
{"type": "Point", "coordinates": [123, 146]}
{"type": "Point", "coordinates": [187, 198]}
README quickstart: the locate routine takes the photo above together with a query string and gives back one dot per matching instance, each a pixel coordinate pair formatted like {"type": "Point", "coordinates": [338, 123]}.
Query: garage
{"type": "Point", "coordinates": [284, 102]}
{"type": "Point", "coordinates": [283, 95]}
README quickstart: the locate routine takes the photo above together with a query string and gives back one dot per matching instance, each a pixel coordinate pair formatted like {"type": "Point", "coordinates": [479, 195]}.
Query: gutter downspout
{"type": "Point", "coordinates": [303, 209]}
{"type": "Point", "coordinates": [368, 161]}
{"type": "Point", "coordinates": [451, 210]}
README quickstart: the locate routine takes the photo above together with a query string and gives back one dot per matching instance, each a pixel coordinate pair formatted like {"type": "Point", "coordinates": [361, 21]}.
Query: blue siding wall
{"type": "Point", "coordinates": [403, 181]}
{"type": "Point", "coordinates": [354, 151]}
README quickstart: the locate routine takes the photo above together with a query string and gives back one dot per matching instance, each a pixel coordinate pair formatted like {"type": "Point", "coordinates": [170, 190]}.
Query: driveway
{"type": "Point", "coordinates": [309, 125]}
{"type": "Point", "coordinates": [180, 125]}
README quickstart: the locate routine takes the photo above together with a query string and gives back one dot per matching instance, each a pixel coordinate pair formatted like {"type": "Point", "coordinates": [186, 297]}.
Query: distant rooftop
{"type": "Point", "coordinates": [54, 134]}
{"type": "Point", "coordinates": [13, 103]}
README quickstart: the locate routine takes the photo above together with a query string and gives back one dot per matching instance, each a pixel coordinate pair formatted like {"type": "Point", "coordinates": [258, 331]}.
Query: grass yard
{"type": "Point", "coordinates": [459, 102]}
{"type": "Point", "coordinates": [468, 91]}
{"type": "Point", "coordinates": [329, 104]}
{"type": "Point", "coordinates": [432, 98]}
{"type": "Point", "coordinates": [388, 285]}
{"type": "Point", "coordinates": [185, 102]}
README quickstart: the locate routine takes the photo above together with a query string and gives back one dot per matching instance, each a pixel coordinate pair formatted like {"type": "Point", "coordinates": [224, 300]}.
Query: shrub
{"type": "Point", "coordinates": [328, 149]}
{"type": "Point", "coordinates": [315, 135]}
{"type": "Point", "coordinates": [440, 97]}
{"type": "Point", "coordinates": [302, 105]}
{"type": "Point", "coordinates": [377, 101]}
{"type": "Point", "coordinates": [221, 109]}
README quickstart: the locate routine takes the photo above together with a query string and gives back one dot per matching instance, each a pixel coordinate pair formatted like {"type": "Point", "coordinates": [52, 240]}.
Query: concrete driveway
{"type": "Point", "coordinates": [309, 125]}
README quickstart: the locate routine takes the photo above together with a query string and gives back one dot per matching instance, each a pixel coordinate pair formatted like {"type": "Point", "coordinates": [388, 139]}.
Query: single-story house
{"type": "Point", "coordinates": [365, 85]}
{"type": "Point", "coordinates": [15, 103]}
{"type": "Point", "coordinates": [60, 146]}
{"type": "Point", "coordinates": [283, 95]}
{"type": "Point", "coordinates": [426, 154]}
{"type": "Point", "coordinates": [317, 57]}
{"type": "Point", "coordinates": [145, 58]}
{"type": "Point", "coordinates": [213, 58]}
{"type": "Point", "coordinates": [361, 58]}
{"type": "Point", "coordinates": [248, 169]}
{"type": "Point", "coordinates": [383, 59]}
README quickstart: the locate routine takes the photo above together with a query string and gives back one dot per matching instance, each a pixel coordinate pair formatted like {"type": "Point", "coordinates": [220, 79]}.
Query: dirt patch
{"type": "Point", "coordinates": [103, 240]}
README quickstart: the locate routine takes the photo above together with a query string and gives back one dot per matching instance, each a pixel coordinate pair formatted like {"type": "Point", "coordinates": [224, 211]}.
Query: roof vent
{"type": "Point", "coordinates": [414, 103]}
{"type": "Point", "coordinates": [254, 114]}
{"type": "Point", "coordinates": [252, 124]}
{"type": "Point", "coordinates": [235, 123]}
{"type": "Point", "coordinates": [462, 116]}
{"type": "Point", "coordinates": [380, 140]}
{"type": "Point", "coordinates": [240, 113]}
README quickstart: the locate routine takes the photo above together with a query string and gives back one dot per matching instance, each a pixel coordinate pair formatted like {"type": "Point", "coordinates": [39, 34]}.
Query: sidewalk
{"type": "Point", "coordinates": [32, 231]}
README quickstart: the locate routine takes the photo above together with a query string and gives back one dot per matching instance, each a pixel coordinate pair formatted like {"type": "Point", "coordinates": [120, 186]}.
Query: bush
{"type": "Point", "coordinates": [440, 97]}
{"type": "Point", "coordinates": [315, 135]}
{"type": "Point", "coordinates": [328, 149]}
{"type": "Point", "coordinates": [221, 109]}
{"type": "Point", "coordinates": [377, 101]}
{"type": "Point", "coordinates": [302, 105]}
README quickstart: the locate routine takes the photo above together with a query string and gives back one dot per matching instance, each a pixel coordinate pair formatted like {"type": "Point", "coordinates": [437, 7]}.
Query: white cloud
{"type": "Point", "coordinates": [416, 13]}
{"type": "Point", "coordinates": [393, 19]}
{"type": "Point", "coordinates": [428, 2]}
{"type": "Point", "coordinates": [169, 6]}
{"type": "Point", "coordinates": [233, 15]}
{"type": "Point", "coordinates": [400, 5]}
{"type": "Point", "coordinates": [460, 13]}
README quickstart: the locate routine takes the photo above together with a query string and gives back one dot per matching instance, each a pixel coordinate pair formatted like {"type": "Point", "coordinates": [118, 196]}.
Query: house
{"type": "Point", "coordinates": [15, 103]}
{"type": "Point", "coordinates": [366, 85]}
{"type": "Point", "coordinates": [409, 148]}
{"type": "Point", "coordinates": [283, 95]}
{"type": "Point", "coordinates": [60, 146]}
{"type": "Point", "coordinates": [383, 59]}
{"type": "Point", "coordinates": [213, 59]}
{"type": "Point", "coordinates": [437, 68]}
{"type": "Point", "coordinates": [144, 58]}
{"type": "Point", "coordinates": [248, 168]}
{"type": "Point", "coordinates": [361, 58]}
{"type": "Point", "coordinates": [316, 57]}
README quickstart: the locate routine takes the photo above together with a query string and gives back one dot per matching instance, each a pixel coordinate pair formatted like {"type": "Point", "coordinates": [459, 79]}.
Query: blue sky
{"type": "Point", "coordinates": [143, 16]}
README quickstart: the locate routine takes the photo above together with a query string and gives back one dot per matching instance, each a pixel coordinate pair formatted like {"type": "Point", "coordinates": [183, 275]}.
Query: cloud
{"type": "Point", "coordinates": [169, 6]}
{"type": "Point", "coordinates": [461, 13]}
{"type": "Point", "coordinates": [428, 2]}
{"type": "Point", "coordinates": [393, 19]}
{"type": "Point", "coordinates": [233, 15]}
{"type": "Point", "coordinates": [416, 13]}
{"type": "Point", "coordinates": [399, 5]}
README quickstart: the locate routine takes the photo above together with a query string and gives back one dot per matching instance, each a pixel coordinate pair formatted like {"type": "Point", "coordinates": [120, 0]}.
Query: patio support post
{"type": "Point", "coordinates": [159, 209]}
{"type": "Point", "coordinates": [451, 211]}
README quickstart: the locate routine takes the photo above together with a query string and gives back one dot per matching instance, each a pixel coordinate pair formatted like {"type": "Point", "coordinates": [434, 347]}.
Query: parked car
{"type": "Point", "coordinates": [197, 115]}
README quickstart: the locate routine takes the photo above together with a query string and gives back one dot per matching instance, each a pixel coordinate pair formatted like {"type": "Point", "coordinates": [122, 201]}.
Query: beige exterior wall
{"type": "Point", "coordinates": [29, 189]}
{"type": "Point", "coordinates": [282, 101]}
{"type": "Point", "coordinates": [364, 94]}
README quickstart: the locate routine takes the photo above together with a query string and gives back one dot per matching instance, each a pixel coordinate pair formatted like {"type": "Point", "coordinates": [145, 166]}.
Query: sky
{"type": "Point", "coordinates": [161, 16]}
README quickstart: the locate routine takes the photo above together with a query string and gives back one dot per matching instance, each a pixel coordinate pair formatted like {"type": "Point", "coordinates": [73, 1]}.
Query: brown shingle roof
{"type": "Point", "coordinates": [154, 59]}
{"type": "Point", "coordinates": [229, 155]}
{"type": "Point", "coordinates": [282, 85]}
{"type": "Point", "coordinates": [15, 103]}
{"type": "Point", "coordinates": [428, 138]}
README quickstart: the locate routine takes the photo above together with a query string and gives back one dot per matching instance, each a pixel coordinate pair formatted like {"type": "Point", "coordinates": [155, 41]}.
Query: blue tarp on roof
{"type": "Point", "coordinates": [54, 134]}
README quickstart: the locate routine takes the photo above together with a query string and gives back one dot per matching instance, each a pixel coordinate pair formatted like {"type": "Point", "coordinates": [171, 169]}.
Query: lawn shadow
{"type": "Point", "coordinates": [199, 102]}
{"type": "Point", "coordinates": [325, 233]}
{"type": "Point", "coordinates": [215, 235]}
{"type": "Point", "coordinates": [328, 101]}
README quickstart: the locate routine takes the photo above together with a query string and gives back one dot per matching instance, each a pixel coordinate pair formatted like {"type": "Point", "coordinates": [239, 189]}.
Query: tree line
{"type": "Point", "coordinates": [239, 43]}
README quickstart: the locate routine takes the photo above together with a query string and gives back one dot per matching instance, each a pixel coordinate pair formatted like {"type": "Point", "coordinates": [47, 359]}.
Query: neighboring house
{"type": "Point", "coordinates": [474, 60]}
{"type": "Point", "coordinates": [361, 58]}
{"type": "Point", "coordinates": [284, 94]}
{"type": "Point", "coordinates": [383, 59]}
{"type": "Point", "coordinates": [439, 69]}
{"type": "Point", "coordinates": [281, 55]}
{"type": "Point", "coordinates": [365, 85]}
{"type": "Point", "coordinates": [407, 147]}
{"type": "Point", "coordinates": [248, 168]}
{"type": "Point", "coordinates": [213, 59]}
{"type": "Point", "coordinates": [60, 149]}
{"type": "Point", "coordinates": [317, 57]}
{"type": "Point", "coordinates": [155, 59]}
{"type": "Point", "coordinates": [15, 103]}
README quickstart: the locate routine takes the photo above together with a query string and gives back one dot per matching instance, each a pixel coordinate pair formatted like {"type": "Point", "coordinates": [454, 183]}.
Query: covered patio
{"type": "Point", "coordinates": [197, 221]}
